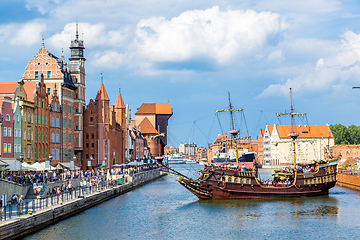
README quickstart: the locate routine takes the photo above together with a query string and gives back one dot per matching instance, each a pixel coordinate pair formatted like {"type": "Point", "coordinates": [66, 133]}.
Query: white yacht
{"type": "Point", "coordinates": [175, 159]}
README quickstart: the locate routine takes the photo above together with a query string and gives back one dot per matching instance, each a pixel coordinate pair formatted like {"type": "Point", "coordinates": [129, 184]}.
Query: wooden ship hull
{"type": "Point", "coordinates": [217, 183]}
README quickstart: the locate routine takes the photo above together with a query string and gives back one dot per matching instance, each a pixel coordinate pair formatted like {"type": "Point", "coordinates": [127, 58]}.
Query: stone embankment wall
{"type": "Point", "coordinates": [26, 224]}
{"type": "Point", "coordinates": [9, 188]}
{"type": "Point", "coordinates": [349, 180]}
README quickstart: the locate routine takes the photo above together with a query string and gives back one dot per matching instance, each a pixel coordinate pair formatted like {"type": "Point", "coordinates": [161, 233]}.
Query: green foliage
{"type": "Point", "coordinates": [346, 135]}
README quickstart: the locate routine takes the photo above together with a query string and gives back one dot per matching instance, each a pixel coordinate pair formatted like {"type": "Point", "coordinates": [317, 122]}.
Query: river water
{"type": "Point", "coordinates": [164, 209]}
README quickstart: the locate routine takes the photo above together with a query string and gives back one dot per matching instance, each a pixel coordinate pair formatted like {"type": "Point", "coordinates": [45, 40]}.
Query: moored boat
{"type": "Point", "coordinates": [239, 182]}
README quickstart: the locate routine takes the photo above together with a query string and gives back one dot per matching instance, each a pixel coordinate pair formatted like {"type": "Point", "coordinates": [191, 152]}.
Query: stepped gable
{"type": "Point", "coordinates": [155, 108]}
{"type": "Point", "coordinates": [102, 95]}
{"type": "Point", "coordinates": [146, 127]}
{"type": "Point", "coordinates": [119, 102]}
{"type": "Point", "coordinates": [305, 131]}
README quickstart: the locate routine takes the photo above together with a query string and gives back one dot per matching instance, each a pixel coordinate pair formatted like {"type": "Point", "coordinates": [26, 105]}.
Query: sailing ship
{"type": "Point", "coordinates": [217, 182]}
{"type": "Point", "coordinates": [233, 154]}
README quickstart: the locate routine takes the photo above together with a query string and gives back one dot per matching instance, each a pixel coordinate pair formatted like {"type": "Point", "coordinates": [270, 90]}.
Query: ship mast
{"type": "Point", "coordinates": [293, 135]}
{"type": "Point", "coordinates": [234, 132]}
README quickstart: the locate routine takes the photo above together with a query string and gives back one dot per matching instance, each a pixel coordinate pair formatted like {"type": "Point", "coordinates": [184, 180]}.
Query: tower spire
{"type": "Point", "coordinates": [102, 80]}
{"type": "Point", "coordinates": [77, 30]}
{"type": "Point", "coordinates": [43, 43]}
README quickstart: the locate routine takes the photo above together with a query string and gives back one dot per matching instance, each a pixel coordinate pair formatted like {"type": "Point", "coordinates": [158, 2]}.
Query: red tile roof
{"type": "Point", "coordinates": [102, 95]}
{"type": "Point", "coordinates": [146, 127]}
{"type": "Point", "coordinates": [155, 108]}
{"type": "Point", "coordinates": [30, 87]}
{"type": "Point", "coordinates": [8, 88]}
{"type": "Point", "coordinates": [119, 102]}
{"type": "Point", "coordinates": [305, 131]}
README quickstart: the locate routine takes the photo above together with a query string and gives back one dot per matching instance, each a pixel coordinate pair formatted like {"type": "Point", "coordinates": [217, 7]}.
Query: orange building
{"type": "Point", "coordinates": [151, 120]}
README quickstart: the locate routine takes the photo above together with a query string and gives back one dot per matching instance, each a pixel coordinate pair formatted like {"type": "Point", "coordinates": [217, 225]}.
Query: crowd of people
{"type": "Point", "coordinates": [31, 177]}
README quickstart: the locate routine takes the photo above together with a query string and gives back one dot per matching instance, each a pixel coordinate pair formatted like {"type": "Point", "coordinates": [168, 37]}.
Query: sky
{"type": "Point", "coordinates": [191, 54]}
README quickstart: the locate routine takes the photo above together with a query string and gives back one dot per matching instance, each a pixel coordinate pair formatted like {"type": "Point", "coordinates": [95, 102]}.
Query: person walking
{"type": "Point", "coordinates": [20, 204]}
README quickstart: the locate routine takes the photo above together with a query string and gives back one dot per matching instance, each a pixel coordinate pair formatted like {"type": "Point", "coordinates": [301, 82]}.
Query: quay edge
{"type": "Point", "coordinates": [26, 224]}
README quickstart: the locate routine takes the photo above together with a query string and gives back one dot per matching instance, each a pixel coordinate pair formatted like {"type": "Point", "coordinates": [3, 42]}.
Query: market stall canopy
{"type": "Point", "coordinates": [17, 166]}
{"type": "Point", "coordinates": [100, 166]}
{"type": "Point", "coordinates": [3, 164]}
{"type": "Point", "coordinates": [118, 165]}
{"type": "Point", "coordinates": [69, 165]}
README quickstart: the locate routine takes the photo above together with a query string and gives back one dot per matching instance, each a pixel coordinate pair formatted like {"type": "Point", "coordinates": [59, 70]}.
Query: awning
{"type": "Point", "coordinates": [100, 166]}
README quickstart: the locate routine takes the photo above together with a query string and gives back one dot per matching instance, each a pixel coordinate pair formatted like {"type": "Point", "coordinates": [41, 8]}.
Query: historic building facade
{"type": "Point", "coordinates": [104, 137]}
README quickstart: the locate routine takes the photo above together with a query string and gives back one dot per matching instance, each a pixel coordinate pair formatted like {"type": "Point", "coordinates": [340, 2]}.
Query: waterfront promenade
{"type": "Point", "coordinates": [38, 213]}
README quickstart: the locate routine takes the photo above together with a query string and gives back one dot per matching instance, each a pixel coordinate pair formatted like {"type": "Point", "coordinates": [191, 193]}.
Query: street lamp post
{"type": "Point", "coordinates": [74, 157]}
{"type": "Point", "coordinates": [21, 161]}
{"type": "Point", "coordinates": [91, 159]}
{"type": "Point", "coordinates": [105, 158]}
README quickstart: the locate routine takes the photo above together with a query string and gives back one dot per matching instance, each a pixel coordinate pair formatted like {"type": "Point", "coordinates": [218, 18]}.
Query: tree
{"type": "Point", "coordinates": [346, 135]}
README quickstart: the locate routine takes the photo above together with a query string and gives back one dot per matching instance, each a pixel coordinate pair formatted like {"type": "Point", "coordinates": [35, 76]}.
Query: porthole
{"type": "Point", "coordinates": [38, 63]}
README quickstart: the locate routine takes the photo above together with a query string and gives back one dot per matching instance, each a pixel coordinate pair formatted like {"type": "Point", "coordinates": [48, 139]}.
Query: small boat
{"type": "Point", "coordinates": [175, 159]}
{"type": "Point", "coordinates": [239, 182]}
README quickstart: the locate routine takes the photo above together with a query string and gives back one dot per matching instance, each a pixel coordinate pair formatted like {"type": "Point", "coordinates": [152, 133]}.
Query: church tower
{"type": "Point", "coordinates": [77, 70]}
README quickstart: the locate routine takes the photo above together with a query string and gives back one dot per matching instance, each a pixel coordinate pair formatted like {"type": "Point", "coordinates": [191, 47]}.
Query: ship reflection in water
{"type": "Point", "coordinates": [165, 210]}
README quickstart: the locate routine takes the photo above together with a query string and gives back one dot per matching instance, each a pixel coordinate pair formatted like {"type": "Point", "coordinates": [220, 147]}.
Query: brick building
{"type": "Point", "coordinates": [104, 139]}
{"type": "Point", "coordinates": [7, 126]}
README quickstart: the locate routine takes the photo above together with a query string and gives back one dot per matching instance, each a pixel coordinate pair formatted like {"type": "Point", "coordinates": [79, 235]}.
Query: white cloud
{"type": "Point", "coordinates": [206, 33]}
{"type": "Point", "coordinates": [108, 59]}
{"type": "Point", "coordinates": [342, 68]}
{"type": "Point", "coordinates": [94, 35]}
{"type": "Point", "coordinates": [22, 34]}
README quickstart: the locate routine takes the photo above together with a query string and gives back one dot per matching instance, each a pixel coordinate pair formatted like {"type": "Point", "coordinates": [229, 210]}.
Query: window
{"type": "Point", "coordinates": [7, 117]}
{"type": "Point", "coordinates": [5, 131]}
{"type": "Point", "coordinates": [17, 117]}
{"type": "Point", "coordinates": [87, 145]}
{"type": "Point", "coordinates": [35, 135]}
{"type": "Point", "coordinates": [64, 137]}
{"type": "Point", "coordinates": [52, 137]}
{"type": "Point", "coordinates": [49, 76]}
{"type": "Point", "coordinates": [76, 140]}
{"type": "Point", "coordinates": [48, 90]}
{"type": "Point", "coordinates": [36, 74]}
{"type": "Point", "coordinates": [43, 105]}
{"type": "Point", "coordinates": [5, 147]}
{"type": "Point", "coordinates": [69, 155]}
{"type": "Point", "coordinates": [76, 127]}
{"type": "Point", "coordinates": [42, 120]}
{"type": "Point", "coordinates": [69, 137]}
{"type": "Point", "coordinates": [92, 136]}
{"type": "Point", "coordinates": [52, 122]}
{"type": "Point", "coordinates": [57, 122]}
{"type": "Point", "coordinates": [9, 147]}
{"type": "Point", "coordinates": [76, 80]}
{"type": "Point", "coordinates": [53, 153]}
{"type": "Point", "coordinates": [55, 107]}
{"type": "Point", "coordinates": [69, 123]}
{"type": "Point", "coordinates": [87, 136]}
{"type": "Point", "coordinates": [29, 117]}
{"type": "Point", "coordinates": [92, 145]}
{"type": "Point", "coordinates": [87, 156]}
{"type": "Point", "coordinates": [57, 154]}
{"type": "Point", "coordinates": [47, 120]}
{"type": "Point", "coordinates": [15, 134]}
{"type": "Point", "coordinates": [19, 132]}
{"type": "Point", "coordinates": [39, 104]}
{"type": "Point", "coordinates": [64, 120]}
{"type": "Point", "coordinates": [15, 148]}
{"type": "Point", "coordinates": [76, 110]}
{"type": "Point", "coordinates": [91, 119]}
{"type": "Point", "coordinates": [57, 138]}
{"type": "Point", "coordinates": [76, 96]}
{"type": "Point", "coordinates": [9, 132]}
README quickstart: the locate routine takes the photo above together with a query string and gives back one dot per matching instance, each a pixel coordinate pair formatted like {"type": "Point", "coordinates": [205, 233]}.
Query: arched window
{"type": "Point", "coordinates": [7, 117]}
{"type": "Point", "coordinates": [92, 136]}
{"type": "Point", "coordinates": [91, 119]}
{"type": "Point", "coordinates": [17, 118]}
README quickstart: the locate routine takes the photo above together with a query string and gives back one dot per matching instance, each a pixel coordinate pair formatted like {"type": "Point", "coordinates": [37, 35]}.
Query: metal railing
{"type": "Point", "coordinates": [30, 206]}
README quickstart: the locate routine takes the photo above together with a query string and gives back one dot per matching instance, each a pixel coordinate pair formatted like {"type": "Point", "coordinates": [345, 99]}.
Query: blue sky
{"type": "Point", "coordinates": [192, 53]}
